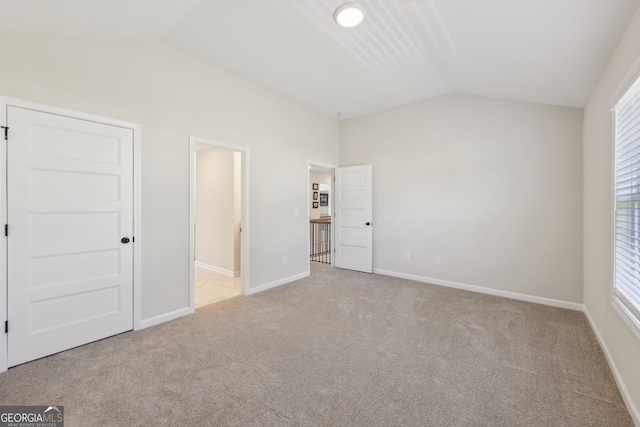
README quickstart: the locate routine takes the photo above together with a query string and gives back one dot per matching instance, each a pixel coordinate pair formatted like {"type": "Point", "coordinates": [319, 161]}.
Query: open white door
{"type": "Point", "coordinates": [70, 225]}
{"type": "Point", "coordinates": [353, 218]}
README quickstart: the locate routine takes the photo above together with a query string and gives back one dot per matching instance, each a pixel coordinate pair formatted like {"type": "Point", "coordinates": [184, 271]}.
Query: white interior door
{"type": "Point", "coordinates": [70, 204]}
{"type": "Point", "coordinates": [353, 222]}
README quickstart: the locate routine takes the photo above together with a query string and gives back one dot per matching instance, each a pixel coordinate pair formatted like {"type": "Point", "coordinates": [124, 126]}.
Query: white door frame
{"type": "Point", "coordinates": [6, 102]}
{"type": "Point", "coordinates": [244, 236]}
{"type": "Point", "coordinates": [332, 168]}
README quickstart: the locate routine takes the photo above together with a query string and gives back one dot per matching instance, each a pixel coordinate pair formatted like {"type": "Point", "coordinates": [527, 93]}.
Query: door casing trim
{"type": "Point", "coordinates": [6, 102]}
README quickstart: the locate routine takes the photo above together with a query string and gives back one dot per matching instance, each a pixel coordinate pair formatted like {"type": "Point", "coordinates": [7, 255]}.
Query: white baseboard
{"type": "Point", "coordinates": [633, 410]}
{"type": "Point", "coordinates": [482, 290]}
{"type": "Point", "coordinates": [279, 282]}
{"type": "Point", "coordinates": [146, 323]}
{"type": "Point", "coordinates": [217, 269]}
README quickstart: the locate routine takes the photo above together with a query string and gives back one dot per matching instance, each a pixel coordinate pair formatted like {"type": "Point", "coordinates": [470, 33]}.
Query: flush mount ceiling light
{"type": "Point", "coordinates": [348, 15]}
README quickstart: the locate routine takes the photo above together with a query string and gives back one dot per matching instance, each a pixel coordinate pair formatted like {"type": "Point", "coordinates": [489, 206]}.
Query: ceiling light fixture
{"type": "Point", "coordinates": [348, 15]}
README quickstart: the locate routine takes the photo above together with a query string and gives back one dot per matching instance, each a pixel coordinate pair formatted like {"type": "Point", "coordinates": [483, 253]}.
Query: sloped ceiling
{"type": "Point", "coordinates": [545, 51]}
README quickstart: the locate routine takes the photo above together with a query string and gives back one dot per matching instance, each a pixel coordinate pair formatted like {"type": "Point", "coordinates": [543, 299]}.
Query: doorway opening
{"type": "Point", "coordinates": [320, 214]}
{"type": "Point", "coordinates": [219, 233]}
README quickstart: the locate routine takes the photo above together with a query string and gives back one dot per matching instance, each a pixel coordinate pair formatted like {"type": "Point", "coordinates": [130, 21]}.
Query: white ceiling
{"type": "Point", "coordinates": [546, 51]}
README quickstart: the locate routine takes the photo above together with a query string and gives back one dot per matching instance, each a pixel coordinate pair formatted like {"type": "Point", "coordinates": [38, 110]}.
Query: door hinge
{"type": "Point", "coordinates": [6, 132]}
{"type": "Point", "coordinates": [6, 230]}
{"type": "Point", "coordinates": [133, 239]}
{"type": "Point", "coordinates": [6, 326]}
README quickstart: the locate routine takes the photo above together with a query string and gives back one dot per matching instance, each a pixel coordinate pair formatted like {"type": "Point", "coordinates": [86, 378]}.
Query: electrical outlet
{"type": "Point", "coordinates": [407, 256]}
{"type": "Point", "coordinates": [284, 259]}
{"type": "Point", "coordinates": [296, 212]}
{"type": "Point", "coordinates": [438, 260]}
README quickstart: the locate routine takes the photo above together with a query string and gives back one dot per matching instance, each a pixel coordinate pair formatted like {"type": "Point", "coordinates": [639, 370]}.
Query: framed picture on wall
{"type": "Point", "coordinates": [315, 196]}
{"type": "Point", "coordinates": [324, 199]}
{"type": "Point", "coordinates": [315, 205]}
{"type": "Point", "coordinates": [315, 186]}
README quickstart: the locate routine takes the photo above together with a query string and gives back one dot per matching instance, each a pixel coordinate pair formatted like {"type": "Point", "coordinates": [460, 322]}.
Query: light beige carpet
{"type": "Point", "coordinates": [338, 349]}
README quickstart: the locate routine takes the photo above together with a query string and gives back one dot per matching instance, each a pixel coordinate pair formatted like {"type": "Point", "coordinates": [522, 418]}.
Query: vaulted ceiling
{"type": "Point", "coordinates": [544, 51]}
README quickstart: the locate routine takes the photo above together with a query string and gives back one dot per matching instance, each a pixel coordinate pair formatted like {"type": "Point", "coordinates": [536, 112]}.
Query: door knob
{"type": "Point", "coordinates": [367, 223]}
{"type": "Point", "coordinates": [125, 240]}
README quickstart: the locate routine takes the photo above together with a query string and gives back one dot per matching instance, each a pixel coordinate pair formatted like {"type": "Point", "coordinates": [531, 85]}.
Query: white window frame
{"type": "Point", "coordinates": [627, 309]}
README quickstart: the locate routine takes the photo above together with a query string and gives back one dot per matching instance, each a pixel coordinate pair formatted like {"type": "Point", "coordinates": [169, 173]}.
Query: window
{"type": "Point", "coordinates": [626, 287]}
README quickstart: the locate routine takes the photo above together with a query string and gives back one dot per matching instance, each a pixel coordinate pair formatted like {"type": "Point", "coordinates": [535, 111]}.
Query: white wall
{"type": "Point", "coordinates": [173, 95]}
{"type": "Point", "coordinates": [216, 223]}
{"type": "Point", "coordinates": [493, 187]}
{"type": "Point", "coordinates": [621, 345]}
